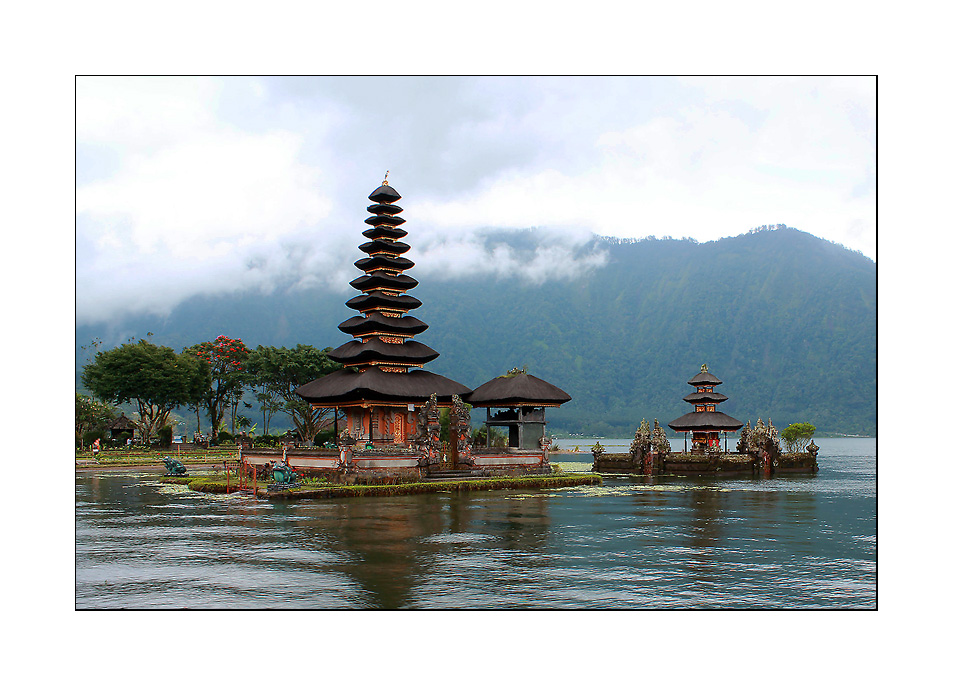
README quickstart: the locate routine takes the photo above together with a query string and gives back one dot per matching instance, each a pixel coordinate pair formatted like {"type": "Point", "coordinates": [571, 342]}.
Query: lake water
{"type": "Point", "coordinates": [805, 541]}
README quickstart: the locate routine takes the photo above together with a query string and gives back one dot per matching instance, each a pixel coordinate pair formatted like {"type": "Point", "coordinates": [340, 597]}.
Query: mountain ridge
{"type": "Point", "coordinates": [785, 319]}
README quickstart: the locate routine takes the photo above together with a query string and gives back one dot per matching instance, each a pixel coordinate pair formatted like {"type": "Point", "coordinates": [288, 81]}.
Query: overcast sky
{"type": "Point", "coordinates": [215, 185]}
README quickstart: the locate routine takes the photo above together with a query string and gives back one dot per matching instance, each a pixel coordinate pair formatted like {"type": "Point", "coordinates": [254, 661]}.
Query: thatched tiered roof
{"type": "Point", "coordinates": [382, 363]}
{"type": "Point", "coordinates": [705, 421]}
{"type": "Point", "coordinates": [705, 418]}
{"type": "Point", "coordinates": [348, 386]}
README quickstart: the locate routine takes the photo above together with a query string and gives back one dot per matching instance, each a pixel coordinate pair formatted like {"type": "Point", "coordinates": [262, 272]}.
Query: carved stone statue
{"type": "Point", "coordinates": [460, 421]}
{"type": "Point", "coordinates": [544, 443]}
{"type": "Point", "coordinates": [282, 473]}
{"type": "Point", "coordinates": [660, 441]}
{"type": "Point", "coordinates": [744, 440]}
{"type": "Point", "coordinates": [427, 439]}
{"type": "Point", "coordinates": [813, 449]}
{"type": "Point", "coordinates": [173, 467]}
{"type": "Point", "coordinates": [642, 442]}
{"type": "Point", "coordinates": [773, 435]}
{"type": "Point", "coordinates": [764, 440]}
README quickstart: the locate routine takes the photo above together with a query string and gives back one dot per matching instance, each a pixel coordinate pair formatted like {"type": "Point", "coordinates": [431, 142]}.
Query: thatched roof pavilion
{"type": "Point", "coordinates": [517, 389]}
{"type": "Point", "coordinates": [525, 398]}
{"type": "Point", "coordinates": [121, 424]}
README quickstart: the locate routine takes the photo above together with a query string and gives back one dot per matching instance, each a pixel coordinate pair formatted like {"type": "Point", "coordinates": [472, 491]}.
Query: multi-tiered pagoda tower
{"type": "Point", "coordinates": [382, 384]}
{"type": "Point", "coordinates": [705, 422]}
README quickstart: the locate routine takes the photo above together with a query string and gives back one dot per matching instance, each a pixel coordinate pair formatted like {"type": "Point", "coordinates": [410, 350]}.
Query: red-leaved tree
{"type": "Point", "coordinates": [226, 358]}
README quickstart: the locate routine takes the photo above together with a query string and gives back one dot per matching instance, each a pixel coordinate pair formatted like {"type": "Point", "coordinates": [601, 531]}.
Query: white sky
{"type": "Point", "coordinates": [189, 185]}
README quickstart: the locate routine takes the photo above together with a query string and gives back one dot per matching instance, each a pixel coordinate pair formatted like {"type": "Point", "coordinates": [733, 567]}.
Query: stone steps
{"type": "Point", "coordinates": [453, 475]}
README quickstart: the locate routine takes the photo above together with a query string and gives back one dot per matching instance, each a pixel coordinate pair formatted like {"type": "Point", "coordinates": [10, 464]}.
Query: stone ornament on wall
{"type": "Point", "coordinates": [346, 450]}
{"type": "Point", "coordinates": [660, 441]}
{"type": "Point", "coordinates": [744, 439]}
{"type": "Point", "coordinates": [642, 442]}
{"type": "Point", "coordinates": [761, 440]}
{"type": "Point", "coordinates": [544, 443]}
{"type": "Point", "coordinates": [460, 421]}
{"type": "Point", "coordinates": [427, 440]}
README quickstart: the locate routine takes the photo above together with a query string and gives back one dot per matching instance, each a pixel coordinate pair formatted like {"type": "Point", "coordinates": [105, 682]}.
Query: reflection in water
{"type": "Point", "coordinates": [634, 542]}
{"type": "Point", "coordinates": [376, 540]}
{"type": "Point", "coordinates": [706, 508]}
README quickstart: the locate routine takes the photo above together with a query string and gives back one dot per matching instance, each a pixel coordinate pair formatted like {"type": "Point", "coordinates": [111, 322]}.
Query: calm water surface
{"type": "Point", "coordinates": [634, 542]}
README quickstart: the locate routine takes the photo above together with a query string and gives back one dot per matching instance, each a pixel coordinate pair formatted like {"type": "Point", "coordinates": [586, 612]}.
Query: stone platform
{"type": "Point", "coordinates": [382, 464]}
{"type": "Point", "coordinates": [693, 464]}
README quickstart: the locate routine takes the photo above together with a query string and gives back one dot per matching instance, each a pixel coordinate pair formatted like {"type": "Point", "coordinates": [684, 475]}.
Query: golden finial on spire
{"type": "Point", "coordinates": [385, 178]}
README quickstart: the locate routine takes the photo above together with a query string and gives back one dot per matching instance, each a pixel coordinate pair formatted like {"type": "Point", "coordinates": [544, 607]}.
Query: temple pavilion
{"type": "Point", "coordinates": [382, 383]}
{"type": "Point", "coordinates": [521, 401]}
{"type": "Point", "coordinates": [705, 422]}
{"type": "Point", "coordinates": [391, 405]}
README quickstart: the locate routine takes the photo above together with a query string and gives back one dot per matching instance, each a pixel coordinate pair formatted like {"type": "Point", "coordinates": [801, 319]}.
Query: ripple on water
{"type": "Point", "coordinates": [458, 538]}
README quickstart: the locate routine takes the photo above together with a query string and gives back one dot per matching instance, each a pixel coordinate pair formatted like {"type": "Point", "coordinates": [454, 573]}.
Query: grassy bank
{"type": "Point", "coordinates": [119, 458]}
{"type": "Point", "coordinates": [217, 484]}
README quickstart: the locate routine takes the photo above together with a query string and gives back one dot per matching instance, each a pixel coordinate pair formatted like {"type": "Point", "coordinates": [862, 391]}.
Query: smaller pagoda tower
{"type": "Point", "coordinates": [705, 422]}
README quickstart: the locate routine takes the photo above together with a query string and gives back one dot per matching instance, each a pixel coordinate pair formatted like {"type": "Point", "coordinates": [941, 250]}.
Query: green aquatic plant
{"type": "Point", "coordinates": [217, 485]}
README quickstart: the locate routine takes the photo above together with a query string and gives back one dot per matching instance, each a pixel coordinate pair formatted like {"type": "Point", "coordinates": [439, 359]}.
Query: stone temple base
{"type": "Point", "coordinates": [395, 465]}
{"type": "Point", "coordinates": [688, 464]}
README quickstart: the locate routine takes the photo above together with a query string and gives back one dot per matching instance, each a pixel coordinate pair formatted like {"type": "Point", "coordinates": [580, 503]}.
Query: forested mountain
{"type": "Point", "coordinates": [785, 319]}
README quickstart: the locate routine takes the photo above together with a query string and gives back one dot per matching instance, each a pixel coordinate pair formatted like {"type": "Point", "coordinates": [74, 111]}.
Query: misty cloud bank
{"type": "Point", "coordinates": [190, 186]}
{"type": "Point", "coordinates": [311, 261]}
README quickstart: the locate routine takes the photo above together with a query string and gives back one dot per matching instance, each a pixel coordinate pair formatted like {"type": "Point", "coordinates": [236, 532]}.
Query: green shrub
{"type": "Point", "coordinates": [324, 437]}
{"type": "Point", "coordinates": [797, 436]}
{"type": "Point", "coordinates": [268, 440]}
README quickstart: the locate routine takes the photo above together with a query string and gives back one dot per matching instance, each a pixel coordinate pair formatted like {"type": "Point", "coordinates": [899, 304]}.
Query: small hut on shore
{"type": "Point", "coordinates": [705, 422]}
{"type": "Point", "coordinates": [121, 425]}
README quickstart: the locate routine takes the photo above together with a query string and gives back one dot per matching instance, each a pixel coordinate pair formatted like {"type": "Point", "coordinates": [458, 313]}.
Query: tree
{"type": "Point", "coordinates": [270, 403]}
{"type": "Point", "coordinates": [225, 358]}
{"type": "Point", "coordinates": [91, 415]}
{"type": "Point", "coordinates": [279, 371]}
{"type": "Point", "coordinates": [154, 377]}
{"type": "Point", "coordinates": [445, 425]}
{"type": "Point", "coordinates": [796, 436]}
